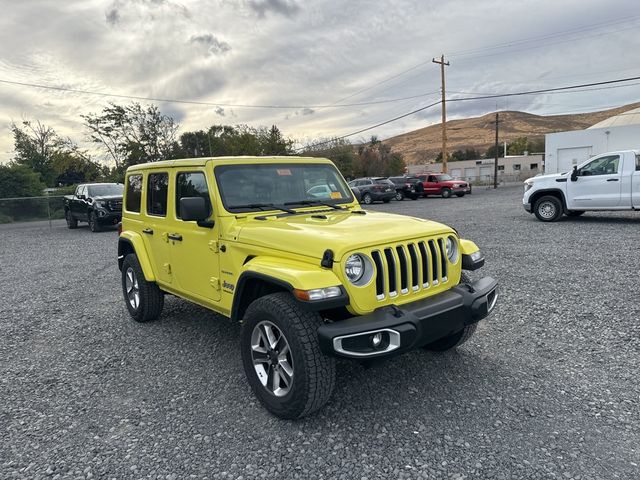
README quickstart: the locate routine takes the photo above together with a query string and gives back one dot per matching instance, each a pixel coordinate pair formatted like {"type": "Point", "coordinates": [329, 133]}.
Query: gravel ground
{"type": "Point", "coordinates": [546, 389]}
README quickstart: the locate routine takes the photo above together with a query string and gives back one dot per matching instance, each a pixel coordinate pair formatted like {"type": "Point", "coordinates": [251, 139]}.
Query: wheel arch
{"type": "Point", "coordinates": [555, 192]}
{"type": "Point", "coordinates": [250, 287]}
{"type": "Point", "coordinates": [132, 243]}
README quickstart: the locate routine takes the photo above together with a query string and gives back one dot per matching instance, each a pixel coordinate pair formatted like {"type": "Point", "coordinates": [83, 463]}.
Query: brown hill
{"type": "Point", "coordinates": [421, 146]}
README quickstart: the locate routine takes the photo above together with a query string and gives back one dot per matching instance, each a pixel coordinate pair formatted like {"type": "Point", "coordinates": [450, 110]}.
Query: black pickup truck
{"type": "Point", "coordinates": [99, 204]}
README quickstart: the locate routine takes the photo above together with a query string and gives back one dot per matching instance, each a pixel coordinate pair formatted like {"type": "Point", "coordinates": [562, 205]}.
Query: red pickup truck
{"type": "Point", "coordinates": [443, 184]}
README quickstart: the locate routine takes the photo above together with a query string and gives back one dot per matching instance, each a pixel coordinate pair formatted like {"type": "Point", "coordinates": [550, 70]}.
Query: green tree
{"type": "Point", "coordinates": [339, 151]}
{"type": "Point", "coordinates": [491, 152]}
{"type": "Point", "coordinates": [19, 181]}
{"type": "Point", "coordinates": [34, 145]}
{"type": "Point", "coordinates": [518, 146]}
{"type": "Point", "coordinates": [133, 134]}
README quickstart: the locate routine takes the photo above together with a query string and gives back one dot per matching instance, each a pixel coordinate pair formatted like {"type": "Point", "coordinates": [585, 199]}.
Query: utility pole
{"type": "Point", "coordinates": [442, 64]}
{"type": "Point", "coordinates": [495, 164]}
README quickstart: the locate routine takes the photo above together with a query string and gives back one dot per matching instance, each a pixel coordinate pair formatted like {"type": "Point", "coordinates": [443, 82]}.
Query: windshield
{"type": "Point", "coordinates": [257, 187]}
{"type": "Point", "coordinates": [105, 190]}
{"type": "Point", "coordinates": [444, 178]}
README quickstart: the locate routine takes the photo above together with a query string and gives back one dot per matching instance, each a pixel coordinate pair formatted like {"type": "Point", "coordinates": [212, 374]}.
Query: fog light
{"type": "Point", "coordinates": [376, 340]}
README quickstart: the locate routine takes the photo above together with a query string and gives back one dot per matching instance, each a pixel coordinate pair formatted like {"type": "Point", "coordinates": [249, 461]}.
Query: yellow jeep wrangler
{"type": "Point", "coordinates": [281, 245]}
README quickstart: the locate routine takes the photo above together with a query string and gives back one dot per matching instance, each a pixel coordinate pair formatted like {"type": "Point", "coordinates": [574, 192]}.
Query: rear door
{"type": "Point", "coordinates": [154, 224]}
{"type": "Point", "coordinates": [598, 184]}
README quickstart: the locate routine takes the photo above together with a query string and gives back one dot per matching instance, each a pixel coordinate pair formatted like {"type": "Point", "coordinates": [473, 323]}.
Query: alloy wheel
{"type": "Point", "coordinates": [132, 288]}
{"type": "Point", "coordinates": [272, 359]}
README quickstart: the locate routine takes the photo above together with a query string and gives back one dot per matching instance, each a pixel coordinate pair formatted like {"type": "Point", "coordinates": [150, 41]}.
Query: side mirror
{"type": "Point", "coordinates": [195, 209]}
{"type": "Point", "coordinates": [574, 174]}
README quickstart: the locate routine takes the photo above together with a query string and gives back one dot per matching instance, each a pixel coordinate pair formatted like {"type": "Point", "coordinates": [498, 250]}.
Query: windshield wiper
{"type": "Point", "coordinates": [262, 206]}
{"type": "Point", "coordinates": [316, 202]}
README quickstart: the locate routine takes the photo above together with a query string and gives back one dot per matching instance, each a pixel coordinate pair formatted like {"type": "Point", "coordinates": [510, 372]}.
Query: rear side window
{"type": "Point", "coordinates": [157, 186]}
{"type": "Point", "coordinates": [191, 184]}
{"type": "Point", "coordinates": [133, 193]}
{"type": "Point", "coordinates": [637, 163]}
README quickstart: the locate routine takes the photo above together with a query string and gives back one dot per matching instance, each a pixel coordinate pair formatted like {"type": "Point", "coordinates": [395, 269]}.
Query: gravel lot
{"type": "Point", "coordinates": [548, 388]}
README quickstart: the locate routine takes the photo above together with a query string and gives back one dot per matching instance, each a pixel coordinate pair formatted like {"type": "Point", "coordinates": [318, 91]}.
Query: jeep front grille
{"type": "Point", "coordinates": [411, 266]}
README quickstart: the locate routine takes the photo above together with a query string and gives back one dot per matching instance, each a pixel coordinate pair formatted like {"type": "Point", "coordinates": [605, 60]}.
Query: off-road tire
{"type": "Point", "coordinates": [460, 194]}
{"type": "Point", "coordinates": [94, 225]}
{"type": "Point", "coordinates": [71, 222]}
{"type": "Point", "coordinates": [151, 298]}
{"type": "Point", "coordinates": [446, 192]}
{"type": "Point", "coordinates": [548, 208]}
{"type": "Point", "coordinates": [456, 339]}
{"type": "Point", "coordinates": [314, 374]}
{"type": "Point", "coordinates": [367, 199]}
{"type": "Point", "coordinates": [574, 213]}
{"type": "Point", "coordinates": [399, 196]}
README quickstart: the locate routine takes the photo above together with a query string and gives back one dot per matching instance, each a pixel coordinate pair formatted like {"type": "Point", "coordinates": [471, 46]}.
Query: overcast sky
{"type": "Point", "coordinates": [308, 55]}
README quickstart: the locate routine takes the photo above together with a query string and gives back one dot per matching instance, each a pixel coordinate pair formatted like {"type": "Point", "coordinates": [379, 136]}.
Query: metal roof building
{"type": "Point", "coordinates": [565, 149]}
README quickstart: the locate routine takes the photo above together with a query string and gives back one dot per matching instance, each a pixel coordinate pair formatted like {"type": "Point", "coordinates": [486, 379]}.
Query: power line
{"type": "Point", "coordinates": [369, 128]}
{"type": "Point", "coordinates": [563, 33]}
{"type": "Point", "coordinates": [557, 89]}
{"type": "Point", "coordinates": [209, 104]}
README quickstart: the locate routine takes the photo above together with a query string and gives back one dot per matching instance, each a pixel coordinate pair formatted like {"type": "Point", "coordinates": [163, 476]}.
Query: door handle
{"type": "Point", "coordinates": [148, 231]}
{"type": "Point", "coordinates": [612, 180]}
{"type": "Point", "coordinates": [175, 236]}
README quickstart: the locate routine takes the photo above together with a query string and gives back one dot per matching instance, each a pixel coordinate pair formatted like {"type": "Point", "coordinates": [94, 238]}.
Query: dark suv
{"type": "Point", "coordinates": [374, 189]}
{"type": "Point", "coordinates": [410, 187]}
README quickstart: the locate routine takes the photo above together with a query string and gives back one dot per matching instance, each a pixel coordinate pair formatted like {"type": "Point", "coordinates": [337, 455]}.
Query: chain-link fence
{"type": "Point", "coordinates": [25, 209]}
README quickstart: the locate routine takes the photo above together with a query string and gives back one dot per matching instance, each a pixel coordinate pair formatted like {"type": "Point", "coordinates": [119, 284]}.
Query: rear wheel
{"type": "Point", "coordinates": [282, 359]}
{"type": "Point", "coordinates": [399, 195]}
{"type": "Point", "coordinates": [456, 339]}
{"type": "Point", "coordinates": [446, 193]}
{"type": "Point", "coordinates": [548, 208]}
{"type": "Point", "coordinates": [143, 299]}
{"type": "Point", "coordinates": [366, 198]}
{"type": "Point", "coordinates": [71, 222]}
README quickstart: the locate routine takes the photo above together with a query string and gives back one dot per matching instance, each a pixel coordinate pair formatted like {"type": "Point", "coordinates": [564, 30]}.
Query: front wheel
{"type": "Point", "coordinates": [143, 299]}
{"type": "Point", "coordinates": [446, 193]}
{"type": "Point", "coordinates": [281, 355]}
{"type": "Point", "coordinates": [94, 226]}
{"type": "Point", "coordinates": [548, 208]}
{"type": "Point", "coordinates": [367, 199]}
{"type": "Point", "coordinates": [399, 196]}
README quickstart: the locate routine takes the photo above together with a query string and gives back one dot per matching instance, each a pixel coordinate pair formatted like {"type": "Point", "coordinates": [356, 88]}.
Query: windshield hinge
{"type": "Point", "coordinates": [213, 246]}
{"type": "Point", "coordinates": [215, 283]}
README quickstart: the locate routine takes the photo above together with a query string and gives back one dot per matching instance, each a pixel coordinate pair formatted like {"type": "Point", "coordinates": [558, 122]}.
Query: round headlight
{"type": "Point", "coordinates": [452, 249]}
{"type": "Point", "coordinates": [354, 268]}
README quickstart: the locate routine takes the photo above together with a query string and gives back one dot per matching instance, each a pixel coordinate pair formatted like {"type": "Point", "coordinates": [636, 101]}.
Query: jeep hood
{"type": "Point", "coordinates": [312, 233]}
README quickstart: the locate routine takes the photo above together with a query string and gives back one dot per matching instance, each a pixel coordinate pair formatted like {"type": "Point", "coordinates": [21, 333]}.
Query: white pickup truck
{"type": "Point", "coordinates": [610, 181]}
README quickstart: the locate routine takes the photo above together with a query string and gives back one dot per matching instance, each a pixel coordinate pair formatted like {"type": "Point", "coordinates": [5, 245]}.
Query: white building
{"type": "Point", "coordinates": [510, 169]}
{"type": "Point", "coordinates": [565, 149]}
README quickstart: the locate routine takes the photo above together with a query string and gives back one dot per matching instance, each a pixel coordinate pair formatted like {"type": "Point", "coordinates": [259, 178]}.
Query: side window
{"type": "Point", "coordinates": [157, 186]}
{"type": "Point", "coordinates": [191, 184]}
{"type": "Point", "coordinates": [637, 163]}
{"type": "Point", "coordinates": [601, 166]}
{"type": "Point", "coordinates": [133, 193]}
{"type": "Point", "coordinates": [432, 179]}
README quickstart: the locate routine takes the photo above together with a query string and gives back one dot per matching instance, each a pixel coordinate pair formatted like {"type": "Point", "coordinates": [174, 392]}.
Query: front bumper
{"type": "Point", "coordinates": [527, 207]}
{"type": "Point", "coordinates": [412, 326]}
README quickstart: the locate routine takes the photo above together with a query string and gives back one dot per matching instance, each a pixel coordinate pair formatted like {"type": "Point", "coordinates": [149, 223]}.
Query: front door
{"type": "Point", "coordinates": [431, 186]}
{"type": "Point", "coordinates": [598, 184]}
{"type": "Point", "coordinates": [194, 249]}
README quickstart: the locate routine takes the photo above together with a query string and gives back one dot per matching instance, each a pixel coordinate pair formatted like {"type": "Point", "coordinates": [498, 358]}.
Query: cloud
{"type": "Point", "coordinates": [112, 16]}
{"type": "Point", "coordinates": [288, 8]}
{"type": "Point", "coordinates": [211, 43]}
